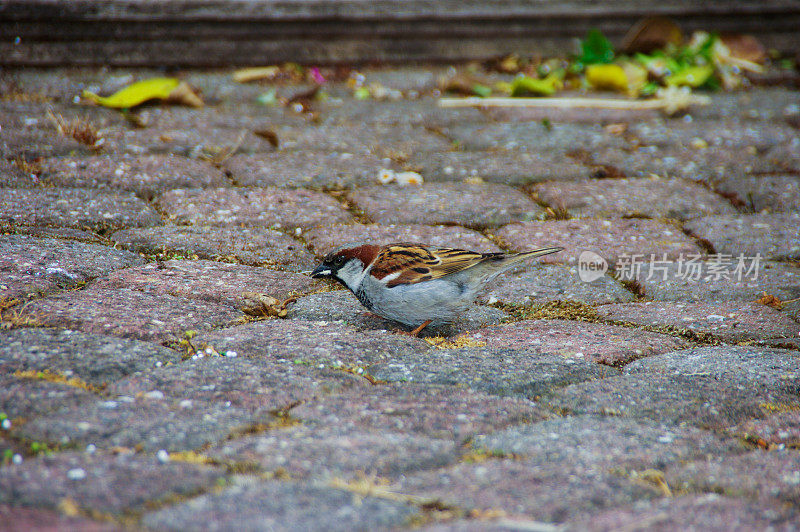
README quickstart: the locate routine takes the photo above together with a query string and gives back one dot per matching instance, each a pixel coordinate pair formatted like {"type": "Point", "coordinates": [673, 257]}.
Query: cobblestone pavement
{"type": "Point", "coordinates": [136, 393]}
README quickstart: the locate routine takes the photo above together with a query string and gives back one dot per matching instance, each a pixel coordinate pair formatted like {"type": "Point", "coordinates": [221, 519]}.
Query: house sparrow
{"type": "Point", "coordinates": [415, 284]}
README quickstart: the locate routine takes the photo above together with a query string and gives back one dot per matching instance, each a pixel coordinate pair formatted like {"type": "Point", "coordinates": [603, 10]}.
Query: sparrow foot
{"type": "Point", "coordinates": [416, 331]}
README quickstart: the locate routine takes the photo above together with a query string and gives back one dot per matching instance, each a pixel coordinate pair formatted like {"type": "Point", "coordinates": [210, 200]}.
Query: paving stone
{"type": "Point", "coordinates": [323, 171]}
{"type": "Point", "coordinates": [13, 176]}
{"type": "Point", "coordinates": [773, 236]}
{"type": "Point", "coordinates": [728, 133]}
{"type": "Point", "coordinates": [260, 207]}
{"type": "Point", "coordinates": [20, 519]}
{"type": "Point", "coordinates": [101, 482]}
{"type": "Point", "coordinates": [612, 240]}
{"type": "Point", "coordinates": [410, 111]}
{"type": "Point", "coordinates": [780, 429]}
{"type": "Point", "coordinates": [756, 474]}
{"type": "Point", "coordinates": [253, 246]}
{"type": "Point", "coordinates": [531, 137]}
{"type": "Point", "coordinates": [764, 193]}
{"type": "Point", "coordinates": [24, 398]}
{"type": "Point", "coordinates": [129, 313]}
{"type": "Point", "coordinates": [471, 205]}
{"type": "Point", "coordinates": [441, 412]}
{"type": "Point", "coordinates": [75, 207]}
{"type": "Point", "coordinates": [342, 305]}
{"type": "Point", "coordinates": [596, 342]}
{"type": "Point", "coordinates": [150, 423]}
{"type": "Point", "coordinates": [282, 506]}
{"type": "Point", "coordinates": [94, 359]}
{"type": "Point", "coordinates": [751, 367]}
{"type": "Point", "coordinates": [508, 167]}
{"type": "Point", "coordinates": [146, 175]}
{"type": "Point", "coordinates": [329, 238]}
{"type": "Point", "coordinates": [62, 233]}
{"type": "Point", "coordinates": [619, 198]}
{"type": "Point", "coordinates": [251, 384]}
{"type": "Point", "coordinates": [584, 441]}
{"type": "Point", "coordinates": [520, 489]}
{"type": "Point", "coordinates": [730, 321]}
{"type": "Point", "coordinates": [33, 143]}
{"type": "Point", "coordinates": [710, 512]}
{"type": "Point", "coordinates": [514, 372]}
{"type": "Point", "coordinates": [30, 265]}
{"type": "Point", "coordinates": [319, 342]}
{"type": "Point", "coordinates": [699, 400]}
{"type": "Point", "coordinates": [718, 279]}
{"type": "Point", "coordinates": [217, 282]}
{"type": "Point", "coordinates": [534, 283]}
{"type": "Point", "coordinates": [501, 524]}
{"type": "Point", "coordinates": [328, 453]}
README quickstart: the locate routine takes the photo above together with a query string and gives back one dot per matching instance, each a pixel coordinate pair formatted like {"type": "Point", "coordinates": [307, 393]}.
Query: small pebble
{"type": "Point", "coordinates": [6, 424]}
{"type": "Point", "coordinates": [91, 448]}
{"type": "Point", "coordinates": [16, 459]}
{"type": "Point", "coordinates": [154, 394]}
{"type": "Point", "coordinates": [162, 456]}
{"type": "Point", "coordinates": [231, 354]}
{"type": "Point", "coordinates": [76, 474]}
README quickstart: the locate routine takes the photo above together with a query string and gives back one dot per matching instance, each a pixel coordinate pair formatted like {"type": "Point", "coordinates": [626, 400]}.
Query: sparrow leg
{"type": "Point", "coordinates": [418, 330]}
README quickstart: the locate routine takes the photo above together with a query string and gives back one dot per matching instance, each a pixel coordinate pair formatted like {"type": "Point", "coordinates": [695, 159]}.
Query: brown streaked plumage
{"type": "Point", "coordinates": [416, 284]}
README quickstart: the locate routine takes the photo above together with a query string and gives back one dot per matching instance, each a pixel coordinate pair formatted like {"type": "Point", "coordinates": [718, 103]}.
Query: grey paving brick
{"type": "Point", "coordinates": [508, 167]}
{"type": "Point", "coordinates": [619, 198]}
{"type": "Point", "coordinates": [323, 171]}
{"type": "Point", "coordinates": [326, 453]}
{"type": "Point", "coordinates": [25, 397]}
{"type": "Point", "coordinates": [282, 506]}
{"type": "Point", "coordinates": [521, 490]}
{"type": "Point", "coordinates": [752, 367]}
{"type": "Point", "coordinates": [597, 342]}
{"type": "Point", "coordinates": [721, 278]}
{"type": "Point", "coordinates": [203, 280]}
{"type": "Point", "coordinates": [699, 400]}
{"type": "Point", "coordinates": [13, 176]}
{"type": "Point", "coordinates": [93, 358]}
{"type": "Point", "coordinates": [537, 137]}
{"type": "Point", "coordinates": [101, 482]}
{"type": "Point", "coordinates": [711, 512]}
{"type": "Point", "coordinates": [251, 384]}
{"type": "Point", "coordinates": [773, 236]}
{"type": "Point", "coordinates": [254, 246]}
{"type": "Point", "coordinates": [258, 207]}
{"type": "Point", "coordinates": [730, 321]}
{"type": "Point", "coordinates": [129, 313]}
{"type": "Point", "coordinates": [611, 239]}
{"type": "Point", "coordinates": [505, 372]}
{"type": "Point", "coordinates": [764, 193]}
{"type": "Point", "coordinates": [583, 441]}
{"type": "Point", "coordinates": [146, 175]}
{"type": "Point", "coordinates": [30, 265]}
{"type": "Point", "coordinates": [754, 475]}
{"type": "Point", "coordinates": [20, 519]}
{"type": "Point", "coordinates": [150, 422]}
{"type": "Point", "coordinates": [471, 205]}
{"type": "Point", "coordinates": [328, 238]}
{"type": "Point", "coordinates": [442, 412]}
{"type": "Point", "coordinates": [75, 207]}
{"type": "Point", "coordinates": [318, 342]}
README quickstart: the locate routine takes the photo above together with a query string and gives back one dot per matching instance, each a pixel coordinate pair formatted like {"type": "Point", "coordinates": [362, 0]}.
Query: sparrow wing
{"type": "Point", "coordinates": [406, 263]}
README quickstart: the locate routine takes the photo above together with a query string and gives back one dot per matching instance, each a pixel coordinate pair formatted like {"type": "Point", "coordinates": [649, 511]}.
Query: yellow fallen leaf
{"type": "Point", "coordinates": [149, 89]}
{"type": "Point", "coordinates": [607, 77]}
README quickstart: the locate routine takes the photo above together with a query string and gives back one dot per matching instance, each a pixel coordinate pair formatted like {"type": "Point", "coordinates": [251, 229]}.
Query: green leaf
{"type": "Point", "coordinates": [268, 98]}
{"type": "Point", "coordinates": [481, 90]}
{"type": "Point", "coordinates": [525, 85]}
{"type": "Point", "coordinates": [595, 48]}
{"type": "Point", "coordinates": [695, 76]}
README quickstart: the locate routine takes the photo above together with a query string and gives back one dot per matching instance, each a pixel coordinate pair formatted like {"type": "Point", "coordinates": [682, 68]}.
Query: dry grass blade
{"type": "Point", "coordinates": [80, 130]}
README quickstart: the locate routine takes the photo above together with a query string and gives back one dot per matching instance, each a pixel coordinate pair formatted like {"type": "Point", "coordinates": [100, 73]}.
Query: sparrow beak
{"type": "Point", "coordinates": [321, 271]}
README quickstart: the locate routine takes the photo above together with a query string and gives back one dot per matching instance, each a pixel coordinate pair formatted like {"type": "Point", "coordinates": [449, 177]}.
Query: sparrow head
{"type": "Point", "coordinates": [346, 265]}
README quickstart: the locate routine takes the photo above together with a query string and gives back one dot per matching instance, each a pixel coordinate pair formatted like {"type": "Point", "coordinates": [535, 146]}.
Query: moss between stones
{"type": "Point", "coordinates": [47, 375]}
